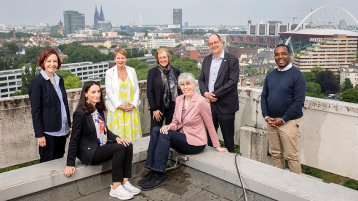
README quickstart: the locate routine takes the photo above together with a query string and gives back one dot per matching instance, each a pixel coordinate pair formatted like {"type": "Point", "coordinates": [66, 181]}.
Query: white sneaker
{"type": "Point", "coordinates": [130, 188]}
{"type": "Point", "coordinates": [120, 193]}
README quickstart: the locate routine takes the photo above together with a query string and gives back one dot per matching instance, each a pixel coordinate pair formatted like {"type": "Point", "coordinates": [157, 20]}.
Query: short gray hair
{"type": "Point", "coordinates": [186, 77]}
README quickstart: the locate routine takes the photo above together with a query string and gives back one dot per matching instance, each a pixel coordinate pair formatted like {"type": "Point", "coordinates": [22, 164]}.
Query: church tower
{"type": "Point", "coordinates": [101, 15]}
{"type": "Point", "coordinates": [96, 19]}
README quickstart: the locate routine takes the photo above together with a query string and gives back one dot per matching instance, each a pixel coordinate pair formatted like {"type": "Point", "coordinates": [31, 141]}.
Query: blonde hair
{"type": "Point", "coordinates": [121, 51]}
{"type": "Point", "coordinates": [162, 50]}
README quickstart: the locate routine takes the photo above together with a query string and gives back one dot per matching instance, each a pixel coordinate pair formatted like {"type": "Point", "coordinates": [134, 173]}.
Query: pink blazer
{"type": "Point", "coordinates": [197, 116]}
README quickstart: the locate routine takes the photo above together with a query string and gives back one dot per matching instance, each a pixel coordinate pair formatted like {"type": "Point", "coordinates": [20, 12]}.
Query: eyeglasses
{"type": "Point", "coordinates": [214, 43]}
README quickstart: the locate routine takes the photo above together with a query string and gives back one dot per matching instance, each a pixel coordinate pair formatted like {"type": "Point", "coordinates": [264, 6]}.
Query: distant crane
{"type": "Point", "coordinates": [177, 22]}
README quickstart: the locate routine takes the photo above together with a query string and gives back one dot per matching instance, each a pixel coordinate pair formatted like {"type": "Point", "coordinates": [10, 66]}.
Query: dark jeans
{"type": "Point", "coordinates": [226, 123]}
{"type": "Point", "coordinates": [167, 115]}
{"type": "Point", "coordinates": [160, 144]}
{"type": "Point", "coordinates": [121, 159]}
{"type": "Point", "coordinates": [54, 149]}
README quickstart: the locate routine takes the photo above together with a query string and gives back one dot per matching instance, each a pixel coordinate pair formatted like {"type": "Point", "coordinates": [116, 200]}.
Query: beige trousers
{"type": "Point", "coordinates": [283, 140]}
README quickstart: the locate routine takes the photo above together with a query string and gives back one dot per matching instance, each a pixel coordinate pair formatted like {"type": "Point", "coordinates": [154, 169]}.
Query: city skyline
{"type": "Point", "coordinates": [200, 12]}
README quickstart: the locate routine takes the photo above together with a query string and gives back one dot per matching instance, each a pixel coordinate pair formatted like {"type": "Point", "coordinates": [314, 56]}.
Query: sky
{"type": "Point", "coordinates": [195, 12]}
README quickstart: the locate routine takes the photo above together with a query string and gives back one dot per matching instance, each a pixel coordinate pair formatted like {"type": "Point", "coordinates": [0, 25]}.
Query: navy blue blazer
{"type": "Point", "coordinates": [83, 142]}
{"type": "Point", "coordinates": [225, 87]}
{"type": "Point", "coordinates": [46, 105]}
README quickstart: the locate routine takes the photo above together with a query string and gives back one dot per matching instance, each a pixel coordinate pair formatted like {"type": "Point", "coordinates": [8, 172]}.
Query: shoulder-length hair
{"type": "Point", "coordinates": [45, 54]}
{"type": "Point", "coordinates": [88, 107]}
{"type": "Point", "coordinates": [162, 50]}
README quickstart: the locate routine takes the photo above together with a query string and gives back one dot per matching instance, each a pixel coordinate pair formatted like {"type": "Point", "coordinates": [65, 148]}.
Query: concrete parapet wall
{"type": "Point", "coordinates": [17, 138]}
{"type": "Point", "coordinates": [329, 140]}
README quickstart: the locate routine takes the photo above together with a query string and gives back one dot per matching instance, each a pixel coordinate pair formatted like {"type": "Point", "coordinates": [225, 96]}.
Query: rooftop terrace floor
{"type": "Point", "coordinates": [183, 183]}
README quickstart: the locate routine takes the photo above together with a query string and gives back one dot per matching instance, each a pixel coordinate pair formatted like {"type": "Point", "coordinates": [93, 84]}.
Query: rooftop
{"type": "Point", "coordinates": [329, 127]}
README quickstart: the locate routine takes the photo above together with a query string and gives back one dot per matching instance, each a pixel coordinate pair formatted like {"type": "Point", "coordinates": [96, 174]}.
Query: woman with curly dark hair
{"type": "Point", "coordinates": [93, 143]}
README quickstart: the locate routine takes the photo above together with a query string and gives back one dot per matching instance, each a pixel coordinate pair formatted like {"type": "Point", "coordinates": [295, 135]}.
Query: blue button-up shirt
{"type": "Point", "coordinates": [214, 69]}
{"type": "Point", "coordinates": [64, 128]}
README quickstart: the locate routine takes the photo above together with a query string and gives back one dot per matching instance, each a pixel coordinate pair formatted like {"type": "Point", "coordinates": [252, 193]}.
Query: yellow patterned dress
{"type": "Point", "coordinates": [125, 124]}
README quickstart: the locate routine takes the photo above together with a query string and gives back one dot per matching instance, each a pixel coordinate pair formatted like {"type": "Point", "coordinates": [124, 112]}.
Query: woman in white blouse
{"type": "Point", "coordinates": [122, 98]}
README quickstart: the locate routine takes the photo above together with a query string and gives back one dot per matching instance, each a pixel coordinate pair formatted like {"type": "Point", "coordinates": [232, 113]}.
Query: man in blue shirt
{"type": "Point", "coordinates": [218, 83]}
{"type": "Point", "coordinates": [282, 100]}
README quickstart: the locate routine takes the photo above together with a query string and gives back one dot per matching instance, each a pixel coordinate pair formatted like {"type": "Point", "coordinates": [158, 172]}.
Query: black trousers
{"type": "Point", "coordinates": [167, 115]}
{"type": "Point", "coordinates": [226, 123]}
{"type": "Point", "coordinates": [54, 149]}
{"type": "Point", "coordinates": [121, 159]}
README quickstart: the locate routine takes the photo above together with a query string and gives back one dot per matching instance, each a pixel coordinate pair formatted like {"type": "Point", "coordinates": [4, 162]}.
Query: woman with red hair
{"type": "Point", "coordinates": [49, 108]}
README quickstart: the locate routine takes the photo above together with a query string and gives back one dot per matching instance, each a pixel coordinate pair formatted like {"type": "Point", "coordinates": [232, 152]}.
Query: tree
{"type": "Point", "coordinates": [309, 76]}
{"type": "Point", "coordinates": [80, 53]}
{"type": "Point", "coordinates": [63, 73]}
{"type": "Point", "coordinates": [250, 70]}
{"type": "Point", "coordinates": [134, 52]}
{"type": "Point", "coordinates": [26, 77]}
{"type": "Point", "coordinates": [187, 65]}
{"type": "Point", "coordinates": [4, 64]}
{"type": "Point", "coordinates": [328, 82]}
{"type": "Point", "coordinates": [347, 84]}
{"type": "Point", "coordinates": [70, 81]}
{"type": "Point", "coordinates": [11, 48]}
{"type": "Point", "coordinates": [316, 70]}
{"type": "Point", "coordinates": [142, 74]}
{"type": "Point", "coordinates": [315, 95]}
{"type": "Point", "coordinates": [32, 54]}
{"type": "Point", "coordinates": [312, 87]}
{"type": "Point", "coordinates": [350, 95]}
{"type": "Point", "coordinates": [56, 35]}
{"type": "Point", "coordinates": [103, 81]}
{"type": "Point", "coordinates": [136, 64]}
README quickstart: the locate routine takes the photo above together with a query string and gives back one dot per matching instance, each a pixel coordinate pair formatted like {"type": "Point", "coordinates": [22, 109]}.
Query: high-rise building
{"type": "Point", "coordinates": [329, 53]}
{"type": "Point", "coordinates": [73, 21]}
{"type": "Point", "coordinates": [178, 19]}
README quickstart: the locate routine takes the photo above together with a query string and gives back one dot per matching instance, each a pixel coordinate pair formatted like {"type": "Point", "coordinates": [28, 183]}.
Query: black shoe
{"type": "Point", "coordinates": [145, 178]}
{"type": "Point", "coordinates": [155, 181]}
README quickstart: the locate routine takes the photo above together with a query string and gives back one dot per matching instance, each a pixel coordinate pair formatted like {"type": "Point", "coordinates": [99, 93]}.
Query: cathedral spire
{"type": "Point", "coordinates": [95, 18]}
{"type": "Point", "coordinates": [101, 15]}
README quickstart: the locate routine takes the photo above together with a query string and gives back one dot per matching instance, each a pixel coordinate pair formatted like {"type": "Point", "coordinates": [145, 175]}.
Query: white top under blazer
{"type": "Point", "coordinates": [112, 87]}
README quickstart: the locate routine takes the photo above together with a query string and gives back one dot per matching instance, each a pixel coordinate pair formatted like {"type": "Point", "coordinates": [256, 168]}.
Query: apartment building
{"type": "Point", "coordinates": [87, 71]}
{"type": "Point", "coordinates": [328, 53]}
{"type": "Point", "coordinates": [10, 81]}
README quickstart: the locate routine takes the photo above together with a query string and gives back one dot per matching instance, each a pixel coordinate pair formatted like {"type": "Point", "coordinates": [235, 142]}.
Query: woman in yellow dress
{"type": "Point", "coordinates": [122, 98]}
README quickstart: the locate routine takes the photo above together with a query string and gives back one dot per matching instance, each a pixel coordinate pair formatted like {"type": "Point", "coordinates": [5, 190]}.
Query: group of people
{"type": "Point", "coordinates": [180, 118]}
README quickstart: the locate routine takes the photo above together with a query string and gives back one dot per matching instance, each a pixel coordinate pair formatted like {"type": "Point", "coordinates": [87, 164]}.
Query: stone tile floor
{"type": "Point", "coordinates": [179, 186]}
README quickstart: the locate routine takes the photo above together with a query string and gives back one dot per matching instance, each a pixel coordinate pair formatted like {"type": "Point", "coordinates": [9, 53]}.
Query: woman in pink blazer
{"type": "Point", "coordinates": [186, 133]}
